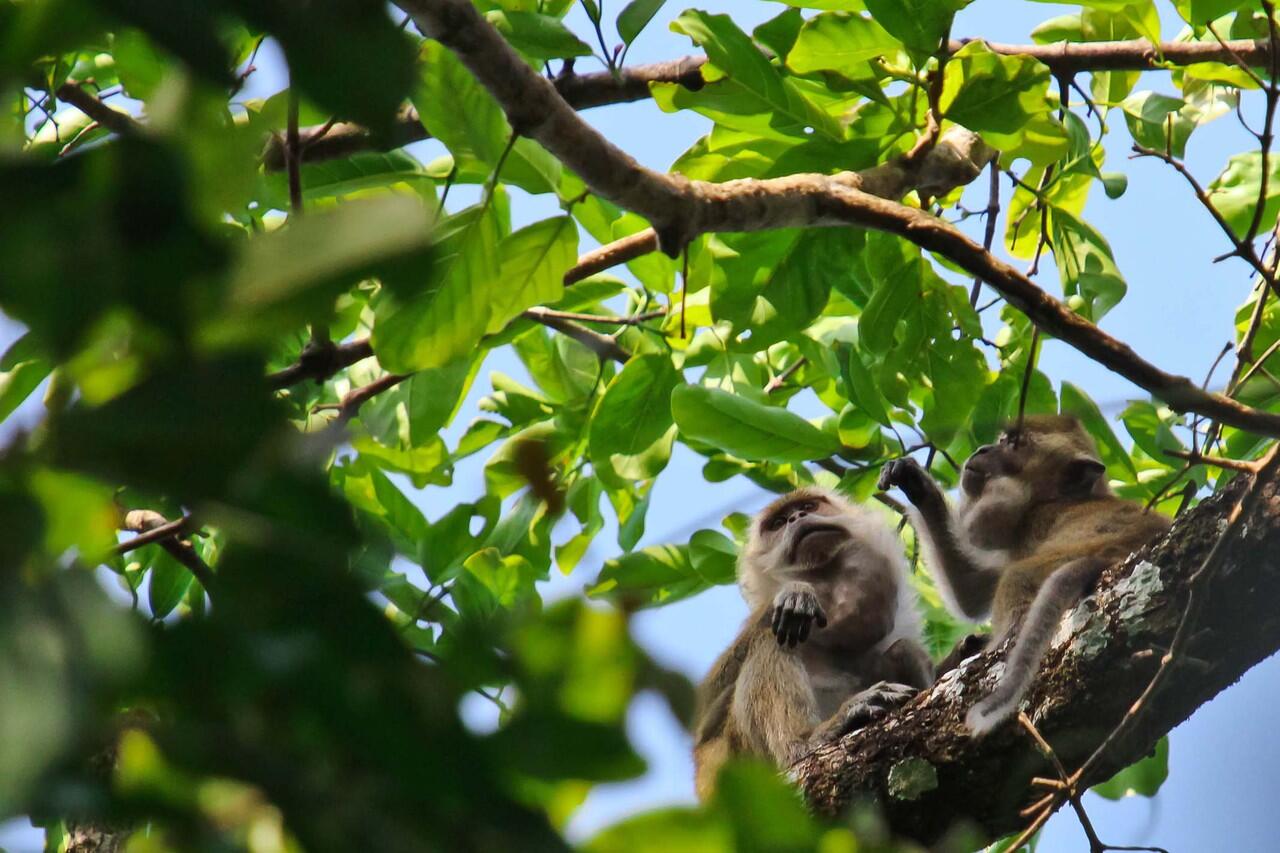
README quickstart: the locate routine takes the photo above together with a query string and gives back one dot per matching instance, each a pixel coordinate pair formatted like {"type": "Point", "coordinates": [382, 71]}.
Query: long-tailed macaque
{"type": "Point", "coordinates": [1036, 525]}
{"type": "Point", "coordinates": [832, 642]}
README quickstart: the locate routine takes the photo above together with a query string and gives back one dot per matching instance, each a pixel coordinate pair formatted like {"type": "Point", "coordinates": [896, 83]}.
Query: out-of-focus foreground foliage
{"type": "Point", "coordinates": [310, 699]}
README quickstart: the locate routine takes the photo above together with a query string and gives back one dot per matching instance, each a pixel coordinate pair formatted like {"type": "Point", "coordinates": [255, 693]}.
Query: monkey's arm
{"type": "Point", "coordinates": [966, 584]}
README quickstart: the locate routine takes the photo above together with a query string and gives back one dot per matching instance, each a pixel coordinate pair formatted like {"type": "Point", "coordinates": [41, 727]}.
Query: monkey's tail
{"type": "Point", "coordinates": [1062, 589]}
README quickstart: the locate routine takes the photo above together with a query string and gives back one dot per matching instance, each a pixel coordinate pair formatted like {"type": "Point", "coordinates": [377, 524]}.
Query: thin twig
{"type": "Point", "coordinates": [145, 520]}
{"type": "Point", "coordinates": [989, 234]}
{"type": "Point", "coordinates": [781, 379]}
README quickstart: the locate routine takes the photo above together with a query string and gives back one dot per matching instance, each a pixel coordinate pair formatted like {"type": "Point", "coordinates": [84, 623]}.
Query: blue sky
{"type": "Point", "coordinates": [1178, 313]}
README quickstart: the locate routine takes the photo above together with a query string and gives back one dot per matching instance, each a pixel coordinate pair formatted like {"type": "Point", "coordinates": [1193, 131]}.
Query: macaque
{"type": "Point", "coordinates": [833, 640]}
{"type": "Point", "coordinates": [1036, 525]}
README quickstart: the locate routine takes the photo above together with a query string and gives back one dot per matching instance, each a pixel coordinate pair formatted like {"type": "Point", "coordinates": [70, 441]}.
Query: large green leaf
{"type": "Point", "coordinates": [632, 430]}
{"type": "Point", "coordinates": [539, 37]}
{"type": "Point", "coordinates": [1085, 265]}
{"type": "Point", "coordinates": [989, 91]}
{"type": "Point", "coordinates": [22, 368]}
{"type": "Point", "coordinates": [464, 116]}
{"type": "Point", "coordinates": [919, 24]}
{"type": "Point", "coordinates": [449, 313]}
{"type": "Point", "coordinates": [534, 261]}
{"type": "Point", "coordinates": [748, 429]}
{"type": "Point", "coordinates": [841, 42]}
{"type": "Point", "coordinates": [732, 51]}
{"type": "Point", "coordinates": [635, 16]}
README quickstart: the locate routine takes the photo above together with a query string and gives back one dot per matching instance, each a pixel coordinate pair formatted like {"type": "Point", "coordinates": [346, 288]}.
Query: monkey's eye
{"type": "Point", "coordinates": [808, 506]}
{"type": "Point", "coordinates": [775, 523]}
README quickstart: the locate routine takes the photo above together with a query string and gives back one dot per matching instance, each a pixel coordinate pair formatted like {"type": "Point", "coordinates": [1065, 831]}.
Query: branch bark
{"type": "Point", "coordinates": [598, 89]}
{"type": "Point", "coordinates": [929, 775]}
{"type": "Point", "coordinates": [680, 209]}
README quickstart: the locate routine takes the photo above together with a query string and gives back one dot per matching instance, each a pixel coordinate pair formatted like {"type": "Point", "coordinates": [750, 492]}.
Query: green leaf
{"type": "Point", "coordinates": [635, 16]}
{"type": "Point", "coordinates": [957, 374]}
{"type": "Point", "coordinates": [449, 314]}
{"type": "Point", "coordinates": [747, 429]}
{"type": "Point", "coordinates": [732, 51]}
{"type": "Point", "coordinates": [534, 261]}
{"type": "Point", "coordinates": [1235, 192]}
{"type": "Point", "coordinates": [169, 582]}
{"type": "Point", "coordinates": [365, 170]}
{"type": "Point", "coordinates": [919, 24]}
{"type": "Point", "coordinates": [1147, 115]}
{"type": "Point", "coordinates": [1085, 265]}
{"type": "Point", "coordinates": [539, 37]}
{"type": "Point", "coordinates": [1142, 778]}
{"type": "Point", "coordinates": [632, 431]}
{"type": "Point", "coordinates": [1200, 12]}
{"type": "Point", "coordinates": [464, 116]}
{"type": "Point", "coordinates": [860, 386]}
{"type": "Point", "coordinates": [988, 91]}
{"type": "Point", "coordinates": [1151, 429]}
{"type": "Point", "coordinates": [840, 42]}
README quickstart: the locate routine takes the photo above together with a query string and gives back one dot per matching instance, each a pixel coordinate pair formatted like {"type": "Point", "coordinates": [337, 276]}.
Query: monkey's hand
{"type": "Point", "coordinates": [915, 482]}
{"type": "Point", "coordinates": [795, 610]}
{"type": "Point", "coordinates": [862, 709]}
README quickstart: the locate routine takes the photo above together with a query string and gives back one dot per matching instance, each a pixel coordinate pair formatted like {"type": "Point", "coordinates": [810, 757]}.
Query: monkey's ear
{"type": "Point", "coordinates": [1081, 475]}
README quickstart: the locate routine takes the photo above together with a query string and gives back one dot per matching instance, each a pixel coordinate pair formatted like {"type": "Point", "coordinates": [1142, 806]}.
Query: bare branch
{"type": "Point", "coordinates": [117, 121]}
{"type": "Point", "coordinates": [147, 521]}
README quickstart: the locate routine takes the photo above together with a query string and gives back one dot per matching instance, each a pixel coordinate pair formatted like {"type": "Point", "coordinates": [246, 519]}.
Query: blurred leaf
{"type": "Point", "coordinates": [662, 574]}
{"type": "Point", "coordinates": [22, 368]}
{"type": "Point", "coordinates": [284, 278]}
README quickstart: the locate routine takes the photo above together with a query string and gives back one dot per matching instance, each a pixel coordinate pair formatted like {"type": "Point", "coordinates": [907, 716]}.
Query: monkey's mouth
{"type": "Point", "coordinates": [815, 534]}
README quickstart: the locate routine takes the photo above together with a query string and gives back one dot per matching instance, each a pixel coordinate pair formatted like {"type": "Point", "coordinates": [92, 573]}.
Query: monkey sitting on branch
{"type": "Point", "coordinates": [833, 640]}
{"type": "Point", "coordinates": [1036, 525]}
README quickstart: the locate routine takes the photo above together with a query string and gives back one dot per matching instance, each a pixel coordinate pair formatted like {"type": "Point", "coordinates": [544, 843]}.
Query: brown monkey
{"type": "Point", "coordinates": [1036, 525]}
{"type": "Point", "coordinates": [832, 642]}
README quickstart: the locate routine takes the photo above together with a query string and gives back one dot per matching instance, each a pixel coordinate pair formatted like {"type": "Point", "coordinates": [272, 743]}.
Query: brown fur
{"type": "Point", "coordinates": [772, 700]}
{"type": "Point", "coordinates": [1036, 507]}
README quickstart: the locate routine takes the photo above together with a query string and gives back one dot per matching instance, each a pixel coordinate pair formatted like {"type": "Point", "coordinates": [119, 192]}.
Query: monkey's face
{"type": "Point", "coordinates": [1051, 457]}
{"type": "Point", "coordinates": [806, 529]}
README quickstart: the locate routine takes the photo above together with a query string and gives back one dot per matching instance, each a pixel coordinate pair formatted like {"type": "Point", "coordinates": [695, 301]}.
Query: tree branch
{"type": "Point", "coordinates": [681, 210]}
{"type": "Point", "coordinates": [116, 121]}
{"type": "Point", "coordinates": [147, 521]}
{"type": "Point", "coordinates": [582, 91]}
{"type": "Point", "coordinates": [928, 773]}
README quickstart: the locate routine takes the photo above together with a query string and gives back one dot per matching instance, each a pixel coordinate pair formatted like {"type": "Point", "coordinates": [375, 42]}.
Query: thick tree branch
{"type": "Point", "coordinates": [681, 210]}
{"type": "Point", "coordinates": [581, 91]}
{"type": "Point", "coordinates": [597, 89]}
{"type": "Point", "coordinates": [929, 774]}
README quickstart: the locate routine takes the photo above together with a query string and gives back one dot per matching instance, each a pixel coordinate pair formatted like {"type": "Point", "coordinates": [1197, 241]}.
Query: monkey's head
{"type": "Point", "coordinates": [1050, 457]}
{"type": "Point", "coordinates": [803, 530]}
